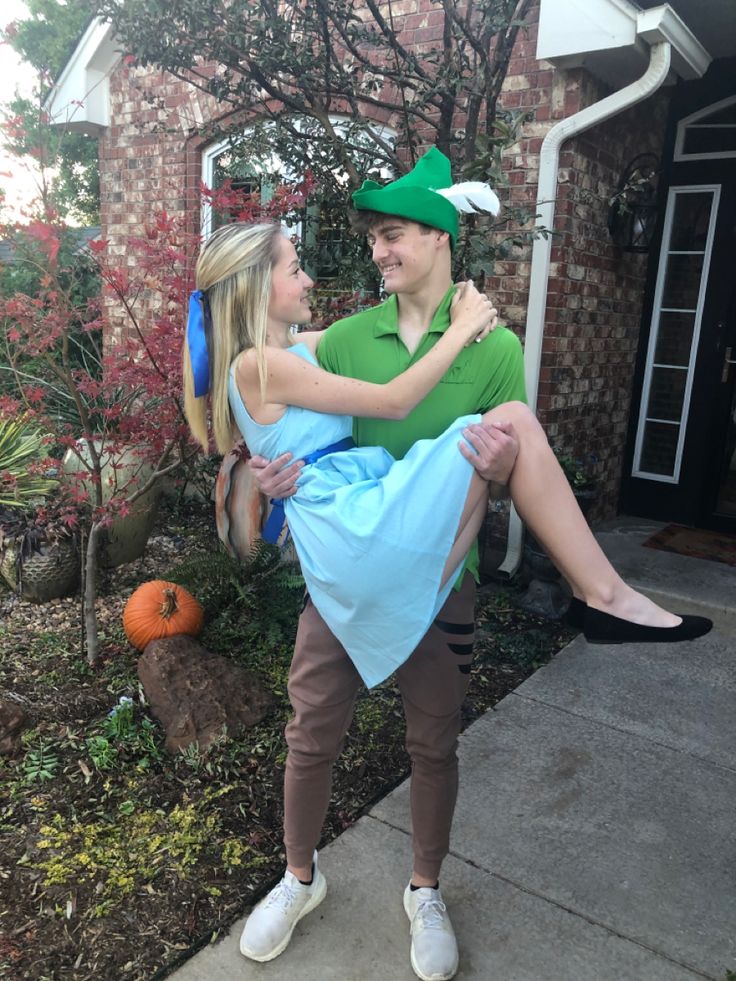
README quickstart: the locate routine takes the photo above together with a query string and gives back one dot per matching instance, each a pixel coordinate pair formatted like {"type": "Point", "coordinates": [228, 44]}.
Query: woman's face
{"type": "Point", "coordinates": [290, 285]}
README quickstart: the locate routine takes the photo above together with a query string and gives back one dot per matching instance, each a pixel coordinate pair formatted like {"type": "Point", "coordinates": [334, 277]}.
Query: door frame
{"type": "Point", "coordinates": [689, 497]}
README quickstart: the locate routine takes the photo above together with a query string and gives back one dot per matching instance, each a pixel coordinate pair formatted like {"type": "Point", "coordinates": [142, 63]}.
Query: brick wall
{"type": "Point", "coordinates": [595, 289]}
{"type": "Point", "coordinates": [146, 157]}
{"type": "Point", "coordinates": [151, 158]}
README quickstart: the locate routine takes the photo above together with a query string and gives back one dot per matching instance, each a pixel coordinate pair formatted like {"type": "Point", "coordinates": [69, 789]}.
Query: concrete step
{"type": "Point", "coordinates": [678, 582]}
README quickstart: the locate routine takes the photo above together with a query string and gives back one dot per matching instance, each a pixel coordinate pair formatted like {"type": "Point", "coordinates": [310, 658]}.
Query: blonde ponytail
{"type": "Point", "coordinates": [234, 270]}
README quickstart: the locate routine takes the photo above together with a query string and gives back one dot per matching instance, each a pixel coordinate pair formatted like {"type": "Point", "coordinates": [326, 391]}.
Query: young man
{"type": "Point", "coordinates": [411, 230]}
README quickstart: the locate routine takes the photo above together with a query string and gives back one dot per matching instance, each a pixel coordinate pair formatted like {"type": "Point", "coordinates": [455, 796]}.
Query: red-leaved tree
{"type": "Point", "coordinates": [124, 394]}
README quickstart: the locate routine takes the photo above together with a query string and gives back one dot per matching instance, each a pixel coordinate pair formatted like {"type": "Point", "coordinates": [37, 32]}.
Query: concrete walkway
{"type": "Point", "coordinates": [595, 833]}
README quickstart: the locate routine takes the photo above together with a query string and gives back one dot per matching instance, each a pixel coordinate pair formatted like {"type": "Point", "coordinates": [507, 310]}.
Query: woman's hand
{"type": "Point", "coordinates": [472, 313]}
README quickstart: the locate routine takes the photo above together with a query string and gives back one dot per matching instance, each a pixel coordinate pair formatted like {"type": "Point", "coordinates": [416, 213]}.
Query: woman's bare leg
{"type": "Point", "coordinates": [476, 506]}
{"type": "Point", "coordinates": [545, 501]}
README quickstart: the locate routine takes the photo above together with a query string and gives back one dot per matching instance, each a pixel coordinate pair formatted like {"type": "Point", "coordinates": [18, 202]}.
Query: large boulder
{"type": "Point", "coordinates": [12, 722]}
{"type": "Point", "coordinates": [198, 696]}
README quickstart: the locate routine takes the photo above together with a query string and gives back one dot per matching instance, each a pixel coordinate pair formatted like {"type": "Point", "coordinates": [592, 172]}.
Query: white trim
{"type": "Point", "coordinates": [685, 123]}
{"type": "Point", "coordinates": [662, 23]}
{"type": "Point", "coordinates": [611, 38]}
{"type": "Point", "coordinates": [80, 99]}
{"type": "Point", "coordinates": [657, 310]}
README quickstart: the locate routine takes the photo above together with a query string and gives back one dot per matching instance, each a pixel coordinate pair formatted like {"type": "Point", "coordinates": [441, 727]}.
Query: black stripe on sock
{"type": "Point", "coordinates": [454, 628]}
{"type": "Point", "coordinates": [461, 648]}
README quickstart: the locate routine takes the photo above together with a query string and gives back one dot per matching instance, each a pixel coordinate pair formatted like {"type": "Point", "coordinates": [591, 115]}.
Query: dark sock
{"type": "Point", "coordinates": [311, 880]}
{"type": "Point", "coordinates": [414, 888]}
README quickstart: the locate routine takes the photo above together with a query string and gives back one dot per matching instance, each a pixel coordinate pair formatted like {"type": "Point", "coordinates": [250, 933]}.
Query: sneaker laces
{"type": "Point", "coordinates": [282, 896]}
{"type": "Point", "coordinates": [430, 913]}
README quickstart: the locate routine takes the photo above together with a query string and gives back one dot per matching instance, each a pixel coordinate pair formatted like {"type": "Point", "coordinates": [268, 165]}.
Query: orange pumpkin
{"type": "Point", "coordinates": [160, 609]}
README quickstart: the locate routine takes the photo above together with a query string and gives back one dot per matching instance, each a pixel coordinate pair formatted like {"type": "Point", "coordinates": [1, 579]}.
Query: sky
{"type": "Point", "coordinates": [14, 74]}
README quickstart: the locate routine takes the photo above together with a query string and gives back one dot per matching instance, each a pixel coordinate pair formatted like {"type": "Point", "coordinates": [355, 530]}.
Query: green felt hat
{"type": "Point", "coordinates": [413, 195]}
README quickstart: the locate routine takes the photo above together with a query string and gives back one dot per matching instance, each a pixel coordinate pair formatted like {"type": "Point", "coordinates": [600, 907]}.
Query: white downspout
{"type": "Point", "coordinates": [650, 81]}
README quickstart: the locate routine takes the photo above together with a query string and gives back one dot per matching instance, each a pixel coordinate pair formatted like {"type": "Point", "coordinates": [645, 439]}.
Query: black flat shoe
{"type": "Point", "coordinates": [602, 628]}
{"type": "Point", "coordinates": [576, 613]}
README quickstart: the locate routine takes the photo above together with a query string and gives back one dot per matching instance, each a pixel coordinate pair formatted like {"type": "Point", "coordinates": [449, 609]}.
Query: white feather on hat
{"type": "Point", "coordinates": [471, 197]}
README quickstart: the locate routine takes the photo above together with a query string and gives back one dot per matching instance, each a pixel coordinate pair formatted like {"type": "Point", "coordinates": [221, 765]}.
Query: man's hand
{"type": "Point", "coordinates": [496, 446]}
{"type": "Point", "coordinates": [276, 478]}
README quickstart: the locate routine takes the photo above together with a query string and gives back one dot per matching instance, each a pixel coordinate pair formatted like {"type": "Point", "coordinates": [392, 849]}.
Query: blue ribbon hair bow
{"type": "Point", "coordinates": [199, 327]}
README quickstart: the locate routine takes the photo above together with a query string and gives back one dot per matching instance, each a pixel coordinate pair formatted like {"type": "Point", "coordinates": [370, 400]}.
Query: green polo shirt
{"type": "Point", "coordinates": [367, 346]}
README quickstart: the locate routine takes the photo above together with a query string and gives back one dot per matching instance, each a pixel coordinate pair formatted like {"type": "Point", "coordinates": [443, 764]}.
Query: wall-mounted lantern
{"type": "Point", "coordinates": [632, 215]}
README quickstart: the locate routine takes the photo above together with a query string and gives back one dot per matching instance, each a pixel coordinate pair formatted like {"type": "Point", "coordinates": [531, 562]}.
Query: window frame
{"type": "Point", "coordinates": [692, 121]}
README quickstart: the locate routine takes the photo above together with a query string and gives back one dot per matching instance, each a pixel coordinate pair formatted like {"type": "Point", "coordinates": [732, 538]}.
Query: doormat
{"type": "Point", "coordinates": [695, 542]}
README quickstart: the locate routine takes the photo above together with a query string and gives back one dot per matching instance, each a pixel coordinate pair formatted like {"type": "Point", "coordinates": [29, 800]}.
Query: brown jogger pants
{"type": "Point", "coordinates": [322, 687]}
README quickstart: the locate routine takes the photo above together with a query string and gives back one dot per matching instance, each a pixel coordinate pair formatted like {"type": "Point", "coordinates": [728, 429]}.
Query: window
{"type": "Point", "coordinates": [709, 133]}
{"type": "Point", "coordinates": [252, 167]}
{"type": "Point", "coordinates": [242, 166]}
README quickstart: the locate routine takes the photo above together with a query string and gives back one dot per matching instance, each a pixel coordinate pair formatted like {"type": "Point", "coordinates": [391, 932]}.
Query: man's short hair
{"type": "Point", "coordinates": [361, 221]}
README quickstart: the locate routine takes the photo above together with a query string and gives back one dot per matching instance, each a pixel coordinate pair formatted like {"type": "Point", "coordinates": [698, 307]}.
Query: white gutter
{"type": "Point", "coordinates": [549, 159]}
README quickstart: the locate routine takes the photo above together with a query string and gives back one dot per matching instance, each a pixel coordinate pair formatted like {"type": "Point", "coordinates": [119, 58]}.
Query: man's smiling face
{"type": "Point", "coordinates": [407, 254]}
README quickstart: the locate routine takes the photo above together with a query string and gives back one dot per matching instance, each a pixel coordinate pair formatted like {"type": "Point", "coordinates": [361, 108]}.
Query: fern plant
{"type": "Point", "coordinates": [263, 593]}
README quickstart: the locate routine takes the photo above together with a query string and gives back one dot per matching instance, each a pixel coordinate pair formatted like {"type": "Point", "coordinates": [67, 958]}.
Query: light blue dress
{"type": "Point", "coordinates": [372, 533]}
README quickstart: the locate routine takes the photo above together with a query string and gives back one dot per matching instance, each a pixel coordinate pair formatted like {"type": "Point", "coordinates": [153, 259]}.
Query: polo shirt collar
{"type": "Point", "coordinates": [387, 321]}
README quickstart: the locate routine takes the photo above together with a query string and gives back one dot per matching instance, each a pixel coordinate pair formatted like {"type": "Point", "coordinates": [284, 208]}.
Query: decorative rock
{"type": "Point", "coordinates": [12, 721]}
{"type": "Point", "coordinates": [198, 696]}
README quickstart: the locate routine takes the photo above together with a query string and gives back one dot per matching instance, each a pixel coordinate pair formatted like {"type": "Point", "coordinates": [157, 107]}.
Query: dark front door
{"type": "Point", "coordinates": [681, 463]}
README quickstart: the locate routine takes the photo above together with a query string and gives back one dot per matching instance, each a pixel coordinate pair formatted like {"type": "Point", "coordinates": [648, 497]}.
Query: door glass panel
{"type": "Point", "coordinates": [667, 394]}
{"type": "Point", "coordinates": [660, 448]}
{"type": "Point", "coordinates": [682, 282]}
{"type": "Point", "coordinates": [674, 338]}
{"type": "Point", "coordinates": [710, 139]}
{"type": "Point", "coordinates": [675, 328]}
{"type": "Point", "coordinates": [690, 222]}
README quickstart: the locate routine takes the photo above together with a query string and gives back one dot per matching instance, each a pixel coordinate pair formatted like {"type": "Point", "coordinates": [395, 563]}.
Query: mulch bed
{"type": "Point", "coordinates": [119, 871]}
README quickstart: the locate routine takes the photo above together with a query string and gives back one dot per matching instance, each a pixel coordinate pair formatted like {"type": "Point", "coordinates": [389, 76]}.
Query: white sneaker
{"type": "Point", "coordinates": [434, 955]}
{"type": "Point", "coordinates": [269, 927]}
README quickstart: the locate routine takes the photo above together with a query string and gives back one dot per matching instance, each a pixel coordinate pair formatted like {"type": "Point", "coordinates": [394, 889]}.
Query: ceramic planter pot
{"type": "Point", "coordinates": [126, 538]}
{"type": "Point", "coordinates": [52, 572]}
